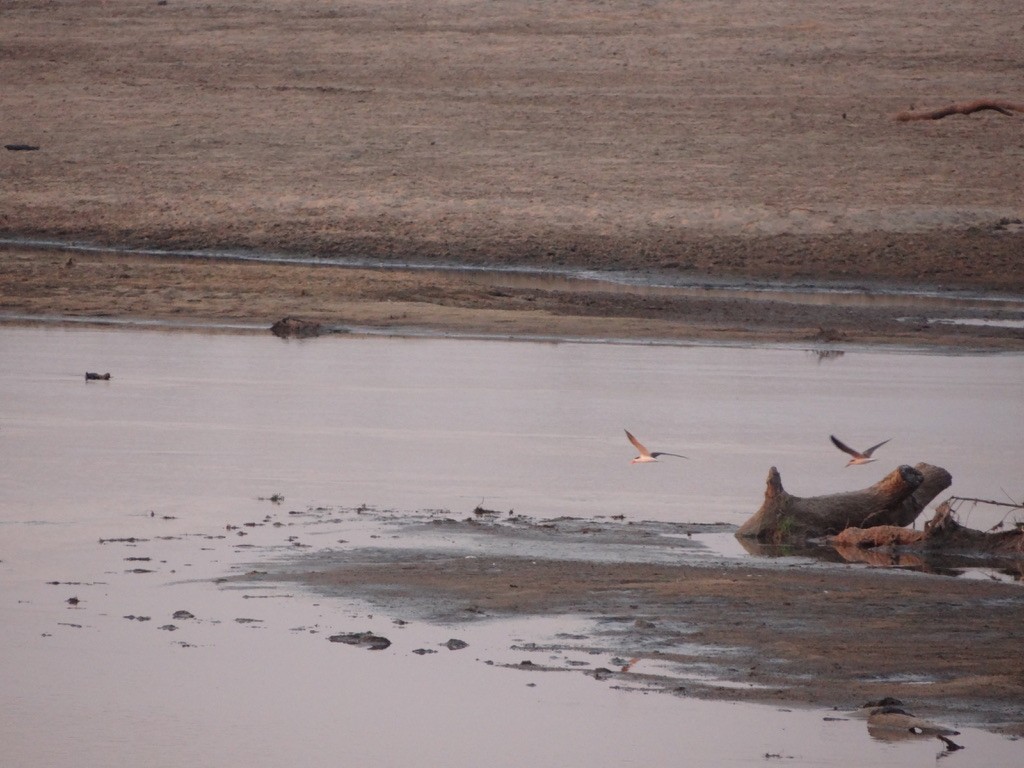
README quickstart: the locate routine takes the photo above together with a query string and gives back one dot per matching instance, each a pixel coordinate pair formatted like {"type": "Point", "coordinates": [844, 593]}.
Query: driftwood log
{"type": "Point", "coordinates": [897, 499]}
{"type": "Point", "coordinates": [940, 534]}
{"type": "Point", "coordinates": [1001, 106]}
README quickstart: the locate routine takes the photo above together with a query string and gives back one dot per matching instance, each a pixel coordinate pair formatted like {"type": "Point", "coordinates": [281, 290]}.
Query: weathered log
{"type": "Point", "coordinates": [942, 537]}
{"type": "Point", "coordinates": [1001, 106]}
{"type": "Point", "coordinates": [896, 499]}
{"type": "Point", "coordinates": [877, 537]}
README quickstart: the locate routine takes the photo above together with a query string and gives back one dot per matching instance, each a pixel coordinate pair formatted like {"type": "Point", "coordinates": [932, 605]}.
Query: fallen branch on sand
{"type": "Point", "coordinates": [1001, 106]}
{"type": "Point", "coordinates": [895, 500]}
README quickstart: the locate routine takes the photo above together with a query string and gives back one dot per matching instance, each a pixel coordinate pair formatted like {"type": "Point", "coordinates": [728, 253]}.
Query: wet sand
{"type": "Point", "coordinates": [786, 631]}
{"type": "Point", "coordinates": [78, 285]}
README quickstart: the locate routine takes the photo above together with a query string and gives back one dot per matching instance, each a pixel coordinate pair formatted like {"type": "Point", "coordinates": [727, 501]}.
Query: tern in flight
{"type": "Point", "coordinates": [859, 457]}
{"type": "Point", "coordinates": [646, 455]}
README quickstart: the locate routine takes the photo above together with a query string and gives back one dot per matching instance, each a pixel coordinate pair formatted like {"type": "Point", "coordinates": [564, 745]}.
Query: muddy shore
{"type": "Point", "coordinates": [81, 286]}
{"type": "Point", "coordinates": [809, 629]}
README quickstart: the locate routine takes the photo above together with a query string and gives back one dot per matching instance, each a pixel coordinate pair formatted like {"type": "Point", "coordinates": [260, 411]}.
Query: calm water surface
{"type": "Point", "coordinates": [193, 423]}
{"type": "Point", "coordinates": [199, 427]}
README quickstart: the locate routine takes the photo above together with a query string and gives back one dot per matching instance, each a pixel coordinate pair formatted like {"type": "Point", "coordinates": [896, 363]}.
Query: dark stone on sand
{"type": "Point", "coordinates": [294, 326]}
{"type": "Point", "coordinates": [424, 651]}
{"type": "Point", "coordinates": [366, 640]}
{"type": "Point", "coordinates": [182, 615]}
{"type": "Point", "coordinates": [888, 701]}
{"type": "Point", "coordinates": [72, 601]}
{"type": "Point", "coordinates": [21, 147]}
{"type": "Point", "coordinates": [90, 376]}
{"type": "Point", "coordinates": [456, 645]}
{"type": "Point", "coordinates": [168, 627]}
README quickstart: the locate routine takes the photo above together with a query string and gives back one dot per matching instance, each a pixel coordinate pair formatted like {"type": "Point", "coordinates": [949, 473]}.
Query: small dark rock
{"type": "Point", "coordinates": [72, 601]}
{"type": "Point", "coordinates": [888, 701]}
{"type": "Point", "coordinates": [182, 615]}
{"type": "Point", "coordinates": [168, 627]}
{"type": "Point", "coordinates": [294, 326]}
{"type": "Point", "coordinates": [424, 651]}
{"type": "Point", "coordinates": [364, 639]}
{"type": "Point", "coordinates": [456, 645]}
{"type": "Point", "coordinates": [21, 147]}
{"type": "Point", "coordinates": [90, 376]}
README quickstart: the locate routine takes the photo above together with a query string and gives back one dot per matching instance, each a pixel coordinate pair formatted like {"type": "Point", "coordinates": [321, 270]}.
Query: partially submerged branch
{"type": "Point", "coordinates": [941, 534]}
{"type": "Point", "coordinates": [1001, 106]}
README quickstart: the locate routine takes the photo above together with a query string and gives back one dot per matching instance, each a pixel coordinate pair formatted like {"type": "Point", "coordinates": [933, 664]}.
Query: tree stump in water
{"type": "Point", "coordinates": [896, 499]}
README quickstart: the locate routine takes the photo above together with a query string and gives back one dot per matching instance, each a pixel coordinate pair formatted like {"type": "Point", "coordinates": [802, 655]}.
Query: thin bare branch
{"type": "Point", "coordinates": [1001, 106]}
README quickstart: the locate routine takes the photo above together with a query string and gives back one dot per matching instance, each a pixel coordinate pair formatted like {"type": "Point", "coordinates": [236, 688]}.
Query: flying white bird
{"type": "Point", "coordinates": [646, 455]}
{"type": "Point", "coordinates": [859, 457]}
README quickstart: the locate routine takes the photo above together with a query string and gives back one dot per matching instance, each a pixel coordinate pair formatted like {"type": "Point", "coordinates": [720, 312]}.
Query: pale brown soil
{"type": "Point", "coordinates": [710, 140]}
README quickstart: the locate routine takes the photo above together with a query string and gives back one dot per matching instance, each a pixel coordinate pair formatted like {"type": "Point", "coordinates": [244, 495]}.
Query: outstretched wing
{"type": "Point", "coordinates": [844, 447]}
{"type": "Point", "coordinates": [656, 454]}
{"type": "Point", "coordinates": [637, 444]}
{"type": "Point", "coordinates": [871, 450]}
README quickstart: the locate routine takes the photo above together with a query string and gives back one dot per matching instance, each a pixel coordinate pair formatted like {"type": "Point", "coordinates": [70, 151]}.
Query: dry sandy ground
{"type": "Point", "coordinates": [711, 139]}
{"type": "Point", "coordinates": [714, 139]}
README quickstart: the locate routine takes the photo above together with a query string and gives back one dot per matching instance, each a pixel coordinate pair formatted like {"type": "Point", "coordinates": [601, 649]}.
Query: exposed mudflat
{"type": "Point", "coordinates": [58, 283]}
{"type": "Point", "coordinates": [785, 629]}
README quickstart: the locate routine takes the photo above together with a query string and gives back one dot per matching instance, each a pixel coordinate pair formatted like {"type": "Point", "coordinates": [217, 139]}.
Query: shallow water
{"type": "Point", "coordinates": [196, 422]}
{"type": "Point", "coordinates": [201, 429]}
